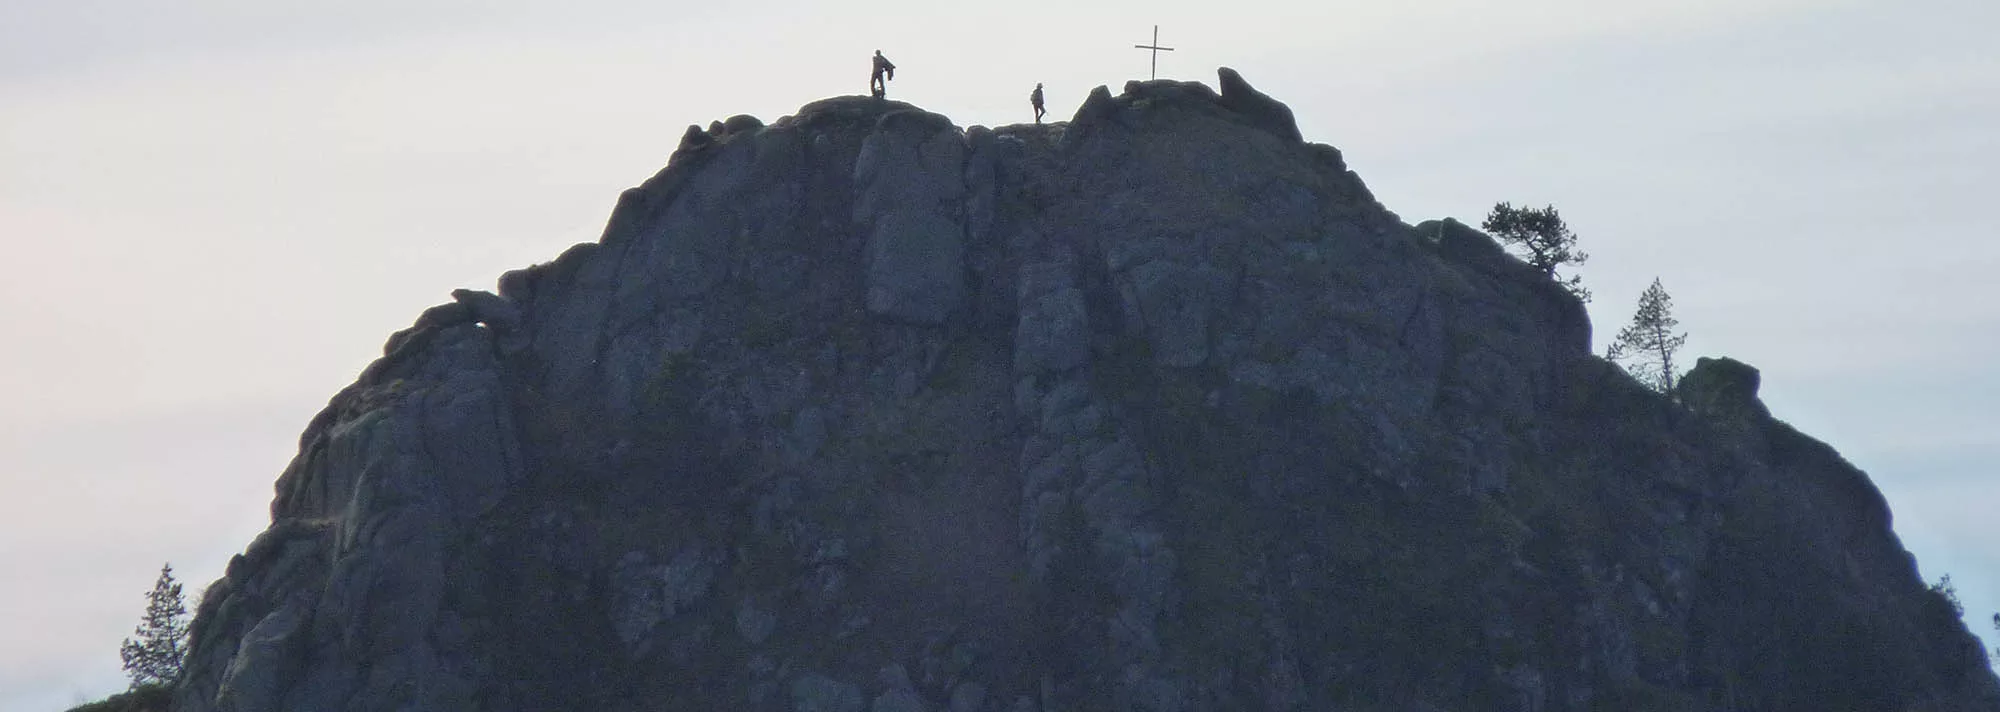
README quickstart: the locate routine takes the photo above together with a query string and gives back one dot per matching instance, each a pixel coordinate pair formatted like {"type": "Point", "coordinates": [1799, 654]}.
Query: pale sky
{"type": "Point", "coordinates": [215, 211]}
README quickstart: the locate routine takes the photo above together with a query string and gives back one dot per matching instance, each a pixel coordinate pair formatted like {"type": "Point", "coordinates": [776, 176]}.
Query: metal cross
{"type": "Point", "coordinates": [1157, 49]}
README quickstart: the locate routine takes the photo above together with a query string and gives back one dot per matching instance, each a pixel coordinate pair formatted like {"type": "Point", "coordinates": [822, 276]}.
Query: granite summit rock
{"type": "Point", "coordinates": [1154, 409]}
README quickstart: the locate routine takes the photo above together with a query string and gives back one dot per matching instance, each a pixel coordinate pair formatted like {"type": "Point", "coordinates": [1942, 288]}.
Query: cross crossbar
{"type": "Point", "coordinates": [1156, 49]}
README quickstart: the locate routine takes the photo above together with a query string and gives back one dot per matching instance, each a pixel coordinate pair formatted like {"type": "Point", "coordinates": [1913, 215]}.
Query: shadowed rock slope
{"type": "Point", "coordinates": [1155, 409]}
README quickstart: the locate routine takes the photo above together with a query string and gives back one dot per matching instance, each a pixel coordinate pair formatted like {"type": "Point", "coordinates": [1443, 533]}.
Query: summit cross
{"type": "Point", "coordinates": [1156, 49]}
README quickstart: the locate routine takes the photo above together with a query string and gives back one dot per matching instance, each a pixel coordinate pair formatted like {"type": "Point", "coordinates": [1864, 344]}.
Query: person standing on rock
{"type": "Point", "coordinates": [878, 80]}
{"type": "Point", "coordinates": [1035, 99]}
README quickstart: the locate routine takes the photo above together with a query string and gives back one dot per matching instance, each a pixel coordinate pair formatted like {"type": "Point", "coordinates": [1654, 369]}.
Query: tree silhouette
{"type": "Point", "coordinates": [1540, 233]}
{"type": "Point", "coordinates": [1646, 347]}
{"type": "Point", "coordinates": [155, 656]}
{"type": "Point", "coordinates": [1949, 594]}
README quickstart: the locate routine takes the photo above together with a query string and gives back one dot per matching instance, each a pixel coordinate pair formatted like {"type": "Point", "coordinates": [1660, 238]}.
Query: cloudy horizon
{"type": "Point", "coordinates": [218, 210]}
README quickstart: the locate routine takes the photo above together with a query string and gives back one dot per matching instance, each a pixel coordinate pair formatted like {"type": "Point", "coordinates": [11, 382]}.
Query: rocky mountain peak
{"type": "Point", "coordinates": [1153, 409]}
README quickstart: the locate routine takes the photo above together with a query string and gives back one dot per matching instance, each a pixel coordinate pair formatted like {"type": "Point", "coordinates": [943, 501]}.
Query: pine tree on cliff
{"type": "Point", "coordinates": [1546, 239]}
{"type": "Point", "coordinates": [154, 658]}
{"type": "Point", "coordinates": [1645, 348]}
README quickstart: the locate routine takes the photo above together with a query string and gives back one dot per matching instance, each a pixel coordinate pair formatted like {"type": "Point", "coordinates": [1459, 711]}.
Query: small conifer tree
{"type": "Point", "coordinates": [1646, 347]}
{"type": "Point", "coordinates": [1547, 241]}
{"type": "Point", "coordinates": [155, 656]}
{"type": "Point", "coordinates": [1949, 594]}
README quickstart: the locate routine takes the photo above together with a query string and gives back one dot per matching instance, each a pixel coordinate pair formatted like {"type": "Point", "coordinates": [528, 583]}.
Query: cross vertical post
{"type": "Point", "coordinates": [1156, 49]}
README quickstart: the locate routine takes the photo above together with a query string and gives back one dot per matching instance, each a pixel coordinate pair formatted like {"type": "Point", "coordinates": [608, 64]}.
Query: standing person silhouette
{"type": "Point", "coordinates": [1035, 100]}
{"type": "Point", "coordinates": [878, 79]}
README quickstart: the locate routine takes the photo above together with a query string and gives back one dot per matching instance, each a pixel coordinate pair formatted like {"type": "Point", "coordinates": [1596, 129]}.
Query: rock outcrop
{"type": "Point", "coordinates": [1154, 409]}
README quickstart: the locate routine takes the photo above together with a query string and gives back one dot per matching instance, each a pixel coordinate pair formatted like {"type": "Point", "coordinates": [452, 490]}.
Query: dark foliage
{"type": "Point", "coordinates": [155, 655]}
{"type": "Point", "coordinates": [1546, 240]}
{"type": "Point", "coordinates": [1646, 347]}
{"type": "Point", "coordinates": [144, 698]}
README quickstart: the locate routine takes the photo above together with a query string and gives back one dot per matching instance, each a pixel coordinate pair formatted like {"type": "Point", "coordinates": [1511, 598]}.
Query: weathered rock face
{"type": "Point", "coordinates": [1156, 409]}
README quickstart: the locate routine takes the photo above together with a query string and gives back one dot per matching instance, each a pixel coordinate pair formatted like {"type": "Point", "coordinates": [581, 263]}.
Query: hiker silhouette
{"type": "Point", "coordinates": [878, 78]}
{"type": "Point", "coordinates": [1035, 100]}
